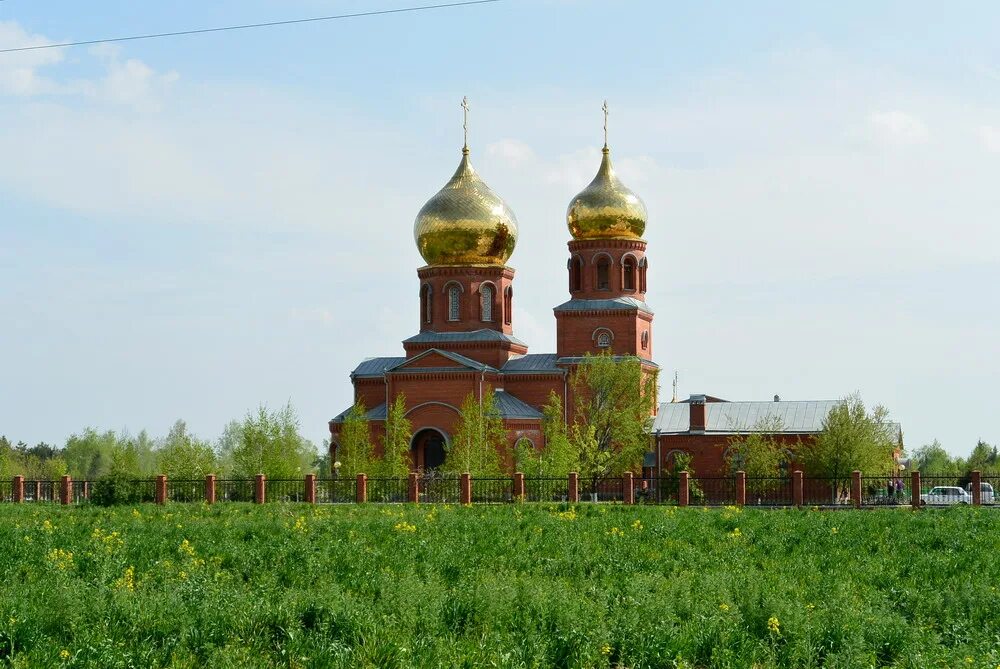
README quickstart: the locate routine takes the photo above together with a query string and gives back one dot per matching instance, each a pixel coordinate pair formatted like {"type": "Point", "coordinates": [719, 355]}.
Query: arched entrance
{"type": "Point", "coordinates": [428, 448]}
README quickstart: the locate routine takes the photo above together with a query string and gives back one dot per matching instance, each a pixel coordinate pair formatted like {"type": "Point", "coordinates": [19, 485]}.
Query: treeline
{"type": "Point", "coordinates": [932, 460]}
{"type": "Point", "coordinates": [264, 441]}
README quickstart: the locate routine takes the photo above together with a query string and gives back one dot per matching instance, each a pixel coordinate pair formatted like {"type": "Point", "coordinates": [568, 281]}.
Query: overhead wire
{"type": "Point", "coordinates": [247, 26]}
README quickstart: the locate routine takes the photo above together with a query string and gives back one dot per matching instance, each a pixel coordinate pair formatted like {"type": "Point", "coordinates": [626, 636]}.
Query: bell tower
{"type": "Point", "coordinates": [606, 270]}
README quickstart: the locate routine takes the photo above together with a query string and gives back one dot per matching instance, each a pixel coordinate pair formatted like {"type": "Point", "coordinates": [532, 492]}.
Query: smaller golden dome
{"type": "Point", "coordinates": [465, 223]}
{"type": "Point", "coordinates": [606, 209]}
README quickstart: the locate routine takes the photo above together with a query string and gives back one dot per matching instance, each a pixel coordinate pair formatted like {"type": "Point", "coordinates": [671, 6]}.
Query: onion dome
{"type": "Point", "coordinates": [465, 223]}
{"type": "Point", "coordinates": [606, 209]}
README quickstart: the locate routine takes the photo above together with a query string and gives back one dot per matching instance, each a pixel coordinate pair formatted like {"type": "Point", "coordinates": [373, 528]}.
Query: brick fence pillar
{"type": "Point", "coordinates": [18, 489]}
{"type": "Point", "coordinates": [741, 488]}
{"type": "Point", "coordinates": [210, 489]}
{"type": "Point", "coordinates": [361, 491]}
{"type": "Point", "coordinates": [915, 489]}
{"type": "Point", "coordinates": [160, 493]}
{"type": "Point", "coordinates": [260, 489]}
{"type": "Point", "coordinates": [856, 489]}
{"type": "Point", "coordinates": [466, 492]}
{"type": "Point", "coordinates": [519, 486]}
{"type": "Point", "coordinates": [797, 492]}
{"type": "Point", "coordinates": [66, 490]}
{"type": "Point", "coordinates": [977, 489]}
{"type": "Point", "coordinates": [413, 489]}
{"type": "Point", "coordinates": [683, 489]}
{"type": "Point", "coordinates": [310, 488]}
{"type": "Point", "coordinates": [628, 494]}
{"type": "Point", "coordinates": [573, 484]}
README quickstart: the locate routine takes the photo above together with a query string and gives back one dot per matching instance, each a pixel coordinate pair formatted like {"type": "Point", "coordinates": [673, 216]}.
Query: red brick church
{"type": "Point", "coordinates": [466, 342]}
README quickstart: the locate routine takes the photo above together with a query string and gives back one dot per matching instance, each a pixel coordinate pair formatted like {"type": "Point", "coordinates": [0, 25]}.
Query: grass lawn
{"type": "Point", "coordinates": [512, 586]}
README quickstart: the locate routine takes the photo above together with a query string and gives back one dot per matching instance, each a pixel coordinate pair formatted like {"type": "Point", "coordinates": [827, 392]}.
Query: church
{"type": "Point", "coordinates": [466, 343]}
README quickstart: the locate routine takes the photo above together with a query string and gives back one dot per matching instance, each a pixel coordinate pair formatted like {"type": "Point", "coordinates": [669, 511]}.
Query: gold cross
{"type": "Point", "coordinates": [605, 108]}
{"type": "Point", "coordinates": [465, 120]}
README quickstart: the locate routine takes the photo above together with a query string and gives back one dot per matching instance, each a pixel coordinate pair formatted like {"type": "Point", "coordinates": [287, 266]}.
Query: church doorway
{"type": "Point", "coordinates": [428, 449]}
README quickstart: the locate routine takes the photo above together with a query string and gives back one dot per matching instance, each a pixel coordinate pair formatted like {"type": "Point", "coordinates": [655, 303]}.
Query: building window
{"type": "Point", "coordinates": [643, 265]}
{"type": "Point", "coordinates": [508, 305]}
{"type": "Point", "coordinates": [645, 339]}
{"type": "Point", "coordinates": [628, 273]}
{"type": "Point", "coordinates": [603, 340]}
{"type": "Point", "coordinates": [603, 274]}
{"type": "Point", "coordinates": [426, 312]}
{"type": "Point", "coordinates": [486, 302]}
{"type": "Point", "coordinates": [575, 274]}
{"type": "Point", "coordinates": [454, 295]}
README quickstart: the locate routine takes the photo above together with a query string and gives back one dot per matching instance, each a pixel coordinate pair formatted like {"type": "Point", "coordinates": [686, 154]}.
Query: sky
{"type": "Point", "coordinates": [191, 227]}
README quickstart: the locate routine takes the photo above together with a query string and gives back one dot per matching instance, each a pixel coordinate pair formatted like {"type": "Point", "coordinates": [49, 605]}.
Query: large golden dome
{"type": "Point", "coordinates": [465, 223]}
{"type": "Point", "coordinates": [606, 209]}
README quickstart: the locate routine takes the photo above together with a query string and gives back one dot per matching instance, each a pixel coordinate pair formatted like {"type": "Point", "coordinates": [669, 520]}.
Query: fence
{"type": "Point", "coordinates": [681, 489]}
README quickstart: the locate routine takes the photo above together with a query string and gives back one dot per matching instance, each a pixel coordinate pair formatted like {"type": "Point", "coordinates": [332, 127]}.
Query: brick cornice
{"type": "Point", "coordinates": [589, 244]}
{"type": "Point", "coordinates": [429, 271]}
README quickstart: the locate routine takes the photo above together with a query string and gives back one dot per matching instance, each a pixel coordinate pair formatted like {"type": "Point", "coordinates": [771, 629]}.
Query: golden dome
{"type": "Point", "coordinates": [606, 209]}
{"type": "Point", "coordinates": [465, 223]}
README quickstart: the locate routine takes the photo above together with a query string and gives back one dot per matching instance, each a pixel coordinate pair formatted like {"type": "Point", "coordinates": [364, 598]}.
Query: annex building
{"type": "Point", "coordinates": [466, 342]}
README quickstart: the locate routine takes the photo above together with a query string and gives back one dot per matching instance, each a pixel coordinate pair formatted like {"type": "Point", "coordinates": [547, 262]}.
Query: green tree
{"type": "Point", "coordinates": [614, 400]}
{"type": "Point", "coordinates": [758, 452]}
{"type": "Point", "coordinates": [268, 442]}
{"type": "Point", "coordinates": [852, 438]}
{"type": "Point", "coordinates": [557, 456]}
{"type": "Point", "coordinates": [478, 439]}
{"type": "Point", "coordinates": [181, 456]}
{"type": "Point", "coordinates": [89, 454]}
{"type": "Point", "coordinates": [395, 460]}
{"type": "Point", "coordinates": [933, 460]}
{"type": "Point", "coordinates": [984, 457]}
{"type": "Point", "coordinates": [355, 451]}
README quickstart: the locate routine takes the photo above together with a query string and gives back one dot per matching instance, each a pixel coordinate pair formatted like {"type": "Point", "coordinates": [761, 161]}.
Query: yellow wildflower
{"type": "Point", "coordinates": [735, 534]}
{"type": "Point", "coordinates": [637, 525]}
{"type": "Point", "coordinates": [127, 581]}
{"type": "Point", "coordinates": [47, 526]}
{"type": "Point", "coordinates": [136, 514]}
{"type": "Point", "coordinates": [810, 606]}
{"type": "Point", "coordinates": [405, 527]}
{"type": "Point", "coordinates": [186, 548]}
{"type": "Point", "coordinates": [615, 532]}
{"type": "Point", "coordinates": [60, 559]}
{"type": "Point", "coordinates": [64, 654]}
{"type": "Point", "coordinates": [773, 625]}
{"type": "Point", "coordinates": [605, 649]}
{"type": "Point", "coordinates": [567, 515]}
{"type": "Point", "coordinates": [300, 524]}
{"type": "Point", "coordinates": [833, 530]}
{"type": "Point", "coordinates": [723, 607]}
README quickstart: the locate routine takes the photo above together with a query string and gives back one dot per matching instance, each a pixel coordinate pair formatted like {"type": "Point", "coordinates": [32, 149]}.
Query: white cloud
{"type": "Point", "coordinates": [896, 127]}
{"type": "Point", "coordinates": [512, 152]}
{"type": "Point", "coordinates": [19, 71]}
{"type": "Point", "coordinates": [990, 137]}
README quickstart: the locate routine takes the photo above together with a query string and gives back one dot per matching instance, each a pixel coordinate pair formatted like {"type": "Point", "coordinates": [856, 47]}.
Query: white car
{"type": "Point", "coordinates": [946, 494]}
{"type": "Point", "coordinates": [985, 492]}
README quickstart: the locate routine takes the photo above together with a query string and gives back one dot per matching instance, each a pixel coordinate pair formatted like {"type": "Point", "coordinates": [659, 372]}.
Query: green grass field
{"type": "Point", "coordinates": [515, 586]}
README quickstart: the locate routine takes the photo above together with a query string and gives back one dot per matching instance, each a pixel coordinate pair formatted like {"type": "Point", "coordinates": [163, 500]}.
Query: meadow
{"type": "Point", "coordinates": [238, 585]}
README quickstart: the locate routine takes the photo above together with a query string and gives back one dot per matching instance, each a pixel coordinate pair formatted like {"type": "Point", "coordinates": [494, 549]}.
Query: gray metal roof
{"type": "Point", "coordinates": [533, 362]}
{"type": "Point", "coordinates": [573, 359]}
{"type": "Point", "coordinates": [609, 304]}
{"type": "Point", "coordinates": [512, 407]}
{"type": "Point", "coordinates": [375, 413]}
{"type": "Point", "coordinates": [431, 337]}
{"type": "Point", "coordinates": [451, 355]}
{"type": "Point", "coordinates": [728, 417]}
{"type": "Point", "coordinates": [376, 366]}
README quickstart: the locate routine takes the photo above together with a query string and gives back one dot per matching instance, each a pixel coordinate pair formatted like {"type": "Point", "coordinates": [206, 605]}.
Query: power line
{"type": "Point", "coordinates": [246, 26]}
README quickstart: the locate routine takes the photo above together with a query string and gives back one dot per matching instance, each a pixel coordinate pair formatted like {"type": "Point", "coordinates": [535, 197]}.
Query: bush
{"type": "Point", "coordinates": [117, 489]}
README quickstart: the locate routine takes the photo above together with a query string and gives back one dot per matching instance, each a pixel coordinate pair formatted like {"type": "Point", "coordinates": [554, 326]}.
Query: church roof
{"type": "Point", "coordinates": [731, 417]}
{"type": "Point", "coordinates": [376, 366]}
{"type": "Point", "coordinates": [615, 303]}
{"type": "Point", "coordinates": [512, 407]}
{"type": "Point", "coordinates": [431, 337]}
{"type": "Point", "coordinates": [533, 362]}
{"type": "Point", "coordinates": [450, 355]}
{"type": "Point", "coordinates": [375, 413]}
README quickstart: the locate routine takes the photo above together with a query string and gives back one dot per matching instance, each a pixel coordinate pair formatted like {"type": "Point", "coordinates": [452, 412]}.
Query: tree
{"type": "Point", "coordinates": [984, 457]}
{"type": "Point", "coordinates": [852, 438]}
{"type": "Point", "coordinates": [758, 452]}
{"type": "Point", "coordinates": [396, 441]}
{"type": "Point", "coordinates": [181, 456]}
{"type": "Point", "coordinates": [88, 455]}
{"type": "Point", "coordinates": [933, 460]}
{"type": "Point", "coordinates": [480, 435]}
{"type": "Point", "coordinates": [355, 450]}
{"type": "Point", "coordinates": [557, 456]}
{"type": "Point", "coordinates": [268, 442]}
{"type": "Point", "coordinates": [614, 400]}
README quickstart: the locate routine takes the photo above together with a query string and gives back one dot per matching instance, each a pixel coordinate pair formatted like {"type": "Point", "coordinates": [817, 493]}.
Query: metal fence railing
{"type": "Point", "coordinates": [6, 491]}
{"type": "Point", "coordinates": [388, 490]}
{"type": "Point", "coordinates": [769, 491]}
{"type": "Point", "coordinates": [989, 490]}
{"type": "Point", "coordinates": [943, 491]}
{"type": "Point", "coordinates": [286, 490]}
{"type": "Point", "coordinates": [604, 490]}
{"type": "Point", "coordinates": [337, 491]}
{"type": "Point", "coordinates": [186, 490]}
{"type": "Point", "coordinates": [440, 489]}
{"type": "Point", "coordinates": [546, 489]}
{"type": "Point", "coordinates": [712, 491]}
{"type": "Point", "coordinates": [884, 491]}
{"type": "Point", "coordinates": [234, 490]}
{"type": "Point", "coordinates": [498, 490]}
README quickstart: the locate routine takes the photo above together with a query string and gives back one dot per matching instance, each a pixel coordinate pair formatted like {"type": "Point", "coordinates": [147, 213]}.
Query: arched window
{"type": "Point", "coordinates": [426, 306]}
{"type": "Point", "coordinates": [603, 340]}
{"type": "Point", "coordinates": [454, 295]}
{"type": "Point", "coordinates": [575, 265]}
{"type": "Point", "coordinates": [486, 302]}
{"type": "Point", "coordinates": [643, 265]}
{"type": "Point", "coordinates": [508, 305]}
{"type": "Point", "coordinates": [628, 273]}
{"type": "Point", "coordinates": [603, 273]}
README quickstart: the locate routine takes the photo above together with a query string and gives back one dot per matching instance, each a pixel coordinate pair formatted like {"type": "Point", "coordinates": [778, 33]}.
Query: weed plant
{"type": "Point", "coordinates": [238, 585]}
